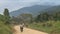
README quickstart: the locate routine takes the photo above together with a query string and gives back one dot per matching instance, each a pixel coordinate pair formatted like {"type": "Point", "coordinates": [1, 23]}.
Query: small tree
{"type": "Point", "coordinates": [6, 14]}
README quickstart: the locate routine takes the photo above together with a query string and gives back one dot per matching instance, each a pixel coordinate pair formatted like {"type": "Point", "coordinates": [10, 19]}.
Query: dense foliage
{"type": "Point", "coordinates": [5, 28]}
{"type": "Point", "coordinates": [6, 16]}
{"type": "Point", "coordinates": [46, 16]}
{"type": "Point", "coordinates": [48, 21]}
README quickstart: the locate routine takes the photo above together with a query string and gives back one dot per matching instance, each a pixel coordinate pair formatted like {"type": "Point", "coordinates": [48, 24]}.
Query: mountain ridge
{"type": "Point", "coordinates": [31, 10]}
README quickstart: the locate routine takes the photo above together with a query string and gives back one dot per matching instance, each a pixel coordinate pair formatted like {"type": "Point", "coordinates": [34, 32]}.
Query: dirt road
{"type": "Point", "coordinates": [26, 31]}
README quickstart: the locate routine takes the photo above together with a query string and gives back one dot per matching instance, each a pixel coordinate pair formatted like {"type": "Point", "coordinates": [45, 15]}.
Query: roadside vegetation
{"type": "Point", "coordinates": [46, 26]}
{"type": "Point", "coordinates": [5, 26]}
{"type": "Point", "coordinates": [45, 22]}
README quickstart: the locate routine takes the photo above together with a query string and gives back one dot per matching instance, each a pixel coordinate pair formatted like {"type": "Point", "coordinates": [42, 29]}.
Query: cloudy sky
{"type": "Point", "coordinates": [17, 4]}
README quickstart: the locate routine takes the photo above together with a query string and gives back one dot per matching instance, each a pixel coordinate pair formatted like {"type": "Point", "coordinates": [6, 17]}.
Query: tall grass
{"type": "Point", "coordinates": [48, 26]}
{"type": "Point", "coordinates": [5, 29]}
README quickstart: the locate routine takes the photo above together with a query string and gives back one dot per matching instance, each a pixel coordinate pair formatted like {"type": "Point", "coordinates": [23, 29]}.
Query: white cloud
{"type": "Point", "coordinates": [16, 4]}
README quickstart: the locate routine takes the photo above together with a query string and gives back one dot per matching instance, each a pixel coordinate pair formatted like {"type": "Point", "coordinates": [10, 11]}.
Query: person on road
{"type": "Point", "coordinates": [21, 27]}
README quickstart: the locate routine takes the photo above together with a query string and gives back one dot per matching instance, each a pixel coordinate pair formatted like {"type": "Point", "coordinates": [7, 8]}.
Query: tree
{"type": "Point", "coordinates": [26, 18]}
{"type": "Point", "coordinates": [6, 15]}
{"type": "Point", "coordinates": [42, 17]}
{"type": "Point", "coordinates": [6, 12]}
{"type": "Point", "coordinates": [45, 16]}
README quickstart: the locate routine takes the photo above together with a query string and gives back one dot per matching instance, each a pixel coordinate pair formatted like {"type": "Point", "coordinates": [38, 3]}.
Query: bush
{"type": "Point", "coordinates": [5, 29]}
{"type": "Point", "coordinates": [56, 31]}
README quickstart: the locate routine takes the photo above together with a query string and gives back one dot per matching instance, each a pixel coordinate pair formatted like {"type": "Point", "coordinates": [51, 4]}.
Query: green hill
{"type": "Point", "coordinates": [48, 21]}
{"type": "Point", "coordinates": [4, 29]}
{"type": "Point", "coordinates": [52, 9]}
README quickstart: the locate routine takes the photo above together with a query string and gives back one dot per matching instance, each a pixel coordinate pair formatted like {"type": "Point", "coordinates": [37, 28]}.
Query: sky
{"type": "Point", "coordinates": [18, 4]}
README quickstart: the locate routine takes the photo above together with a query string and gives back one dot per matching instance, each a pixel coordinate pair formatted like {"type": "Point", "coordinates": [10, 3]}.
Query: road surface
{"type": "Point", "coordinates": [27, 31]}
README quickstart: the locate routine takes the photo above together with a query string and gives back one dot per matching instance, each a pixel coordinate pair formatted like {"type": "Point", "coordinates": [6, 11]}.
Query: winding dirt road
{"type": "Point", "coordinates": [27, 31]}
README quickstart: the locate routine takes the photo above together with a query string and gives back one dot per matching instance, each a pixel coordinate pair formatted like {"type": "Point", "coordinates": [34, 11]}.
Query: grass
{"type": "Point", "coordinates": [46, 27]}
{"type": "Point", "coordinates": [5, 29]}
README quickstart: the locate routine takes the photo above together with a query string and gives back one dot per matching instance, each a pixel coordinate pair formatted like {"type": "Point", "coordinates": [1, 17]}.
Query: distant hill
{"type": "Point", "coordinates": [52, 9]}
{"type": "Point", "coordinates": [31, 10]}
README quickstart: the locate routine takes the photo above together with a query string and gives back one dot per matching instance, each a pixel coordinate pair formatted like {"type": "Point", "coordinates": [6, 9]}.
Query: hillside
{"type": "Point", "coordinates": [52, 9]}
{"type": "Point", "coordinates": [31, 10]}
{"type": "Point", "coordinates": [4, 29]}
{"type": "Point", "coordinates": [48, 21]}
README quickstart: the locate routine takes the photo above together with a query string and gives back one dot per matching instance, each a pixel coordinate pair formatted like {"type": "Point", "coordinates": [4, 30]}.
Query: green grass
{"type": "Point", "coordinates": [5, 29]}
{"type": "Point", "coordinates": [46, 28]}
